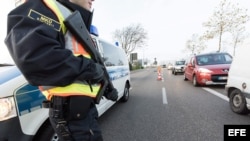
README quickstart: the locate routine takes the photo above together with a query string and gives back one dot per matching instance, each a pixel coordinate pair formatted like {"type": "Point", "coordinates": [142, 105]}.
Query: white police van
{"type": "Point", "coordinates": [22, 117]}
{"type": "Point", "coordinates": [238, 83]}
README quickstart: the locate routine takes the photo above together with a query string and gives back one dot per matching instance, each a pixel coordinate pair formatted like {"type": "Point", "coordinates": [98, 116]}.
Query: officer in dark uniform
{"type": "Point", "coordinates": [39, 45]}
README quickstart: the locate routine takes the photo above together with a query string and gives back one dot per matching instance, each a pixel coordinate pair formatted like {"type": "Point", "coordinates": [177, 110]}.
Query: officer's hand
{"type": "Point", "coordinates": [99, 74]}
{"type": "Point", "coordinates": [111, 94]}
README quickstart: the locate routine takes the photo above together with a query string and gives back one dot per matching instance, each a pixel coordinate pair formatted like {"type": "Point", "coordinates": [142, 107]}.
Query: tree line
{"type": "Point", "coordinates": [228, 19]}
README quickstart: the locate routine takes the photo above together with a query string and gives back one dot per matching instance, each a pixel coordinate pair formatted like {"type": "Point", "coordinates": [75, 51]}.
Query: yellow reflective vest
{"type": "Point", "coordinates": [78, 87]}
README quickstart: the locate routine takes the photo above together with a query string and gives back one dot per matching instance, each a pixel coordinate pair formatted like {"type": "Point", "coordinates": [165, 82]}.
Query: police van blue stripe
{"type": "Point", "coordinates": [116, 73]}
{"type": "Point", "coordinates": [8, 74]}
{"type": "Point", "coordinates": [29, 98]}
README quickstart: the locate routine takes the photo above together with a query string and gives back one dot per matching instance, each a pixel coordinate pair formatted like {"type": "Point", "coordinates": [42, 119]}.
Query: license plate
{"type": "Point", "coordinates": [223, 78]}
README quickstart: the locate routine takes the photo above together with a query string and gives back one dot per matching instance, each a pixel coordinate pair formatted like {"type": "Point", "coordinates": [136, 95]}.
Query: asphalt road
{"type": "Point", "coordinates": [169, 110]}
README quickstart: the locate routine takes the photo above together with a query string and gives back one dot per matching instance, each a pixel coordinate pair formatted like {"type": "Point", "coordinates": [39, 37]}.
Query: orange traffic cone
{"type": "Point", "coordinates": [159, 76]}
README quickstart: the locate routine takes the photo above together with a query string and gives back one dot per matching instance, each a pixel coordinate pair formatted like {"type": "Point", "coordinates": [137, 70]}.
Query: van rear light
{"type": "Point", "coordinates": [7, 108]}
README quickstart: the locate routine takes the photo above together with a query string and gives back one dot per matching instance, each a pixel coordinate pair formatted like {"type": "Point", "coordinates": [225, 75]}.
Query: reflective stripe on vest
{"type": "Point", "coordinates": [69, 90]}
{"type": "Point", "coordinates": [71, 43]}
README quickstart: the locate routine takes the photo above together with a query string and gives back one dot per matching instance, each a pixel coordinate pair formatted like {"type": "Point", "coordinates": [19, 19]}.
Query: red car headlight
{"type": "Point", "coordinates": [203, 70]}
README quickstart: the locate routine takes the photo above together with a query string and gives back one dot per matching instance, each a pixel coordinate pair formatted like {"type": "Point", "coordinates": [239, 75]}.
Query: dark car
{"type": "Point", "coordinates": [208, 69]}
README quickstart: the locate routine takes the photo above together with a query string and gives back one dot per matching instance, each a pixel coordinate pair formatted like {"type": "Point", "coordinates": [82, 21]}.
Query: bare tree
{"type": "Point", "coordinates": [227, 17]}
{"type": "Point", "coordinates": [131, 37]}
{"type": "Point", "coordinates": [196, 44]}
{"type": "Point", "coordinates": [238, 27]}
{"type": "Point", "coordinates": [238, 36]}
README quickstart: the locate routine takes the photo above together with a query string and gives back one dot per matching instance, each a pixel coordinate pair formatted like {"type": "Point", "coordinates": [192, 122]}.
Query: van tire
{"type": "Point", "coordinates": [237, 102]}
{"type": "Point", "coordinates": [125, 96]}
{"type": "Point", "coordinates": [46, 133]}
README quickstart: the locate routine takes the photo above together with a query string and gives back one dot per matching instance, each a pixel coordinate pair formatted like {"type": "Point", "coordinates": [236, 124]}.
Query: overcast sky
{"type": "Point", "coordinates": [169, 23]}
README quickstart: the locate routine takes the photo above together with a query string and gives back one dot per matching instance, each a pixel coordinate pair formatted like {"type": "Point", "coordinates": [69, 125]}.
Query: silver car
{"type": "Point", "coordinates": [178, 67]}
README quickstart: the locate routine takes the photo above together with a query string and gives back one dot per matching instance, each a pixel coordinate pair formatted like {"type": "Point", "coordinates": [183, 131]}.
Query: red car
{"type": "Point", "coordinates": [208, 69]}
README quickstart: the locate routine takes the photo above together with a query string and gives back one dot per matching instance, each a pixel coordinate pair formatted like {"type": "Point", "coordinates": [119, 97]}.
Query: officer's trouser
{"type": "Point", "coordinates": [72, 125]}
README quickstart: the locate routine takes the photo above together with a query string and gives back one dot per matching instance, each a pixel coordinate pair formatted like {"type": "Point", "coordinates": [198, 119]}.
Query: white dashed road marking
{"type": "Point", "coordinates": [164, 96]}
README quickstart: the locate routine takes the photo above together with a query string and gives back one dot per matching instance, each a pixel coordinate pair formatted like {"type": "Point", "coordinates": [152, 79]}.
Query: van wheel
{"type": "Point", "coordinates": [46, 133]}
{"type": "Point", "coordinates": [195, 83]}
{"type": "Point", "coordinates": [125, 96]}
{"type": "Point", "coordinates": [237, 102]}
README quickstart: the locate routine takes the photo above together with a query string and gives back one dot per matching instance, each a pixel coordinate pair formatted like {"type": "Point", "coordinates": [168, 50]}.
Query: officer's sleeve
{"type": "Point", "coordinates": [38, 51]}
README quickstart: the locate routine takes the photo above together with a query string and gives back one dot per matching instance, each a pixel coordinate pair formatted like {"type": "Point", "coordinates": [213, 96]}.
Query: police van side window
{"type": "Point", "coordinates": [113, 56]}
{"type": "Point", "coordinates": [96, 45]}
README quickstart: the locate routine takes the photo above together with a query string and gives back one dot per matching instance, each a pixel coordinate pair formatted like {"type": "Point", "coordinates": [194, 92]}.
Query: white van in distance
{"type": "Point", "coordinates": [238, 84]}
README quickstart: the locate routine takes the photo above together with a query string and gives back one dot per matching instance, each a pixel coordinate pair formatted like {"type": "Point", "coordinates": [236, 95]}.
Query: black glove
{"type": "Point", "coordinates": [92, 73]}
{"type": "Point", "coordinates": [99, 74]}
{"type": "Point", "coordinates": [111, 94]}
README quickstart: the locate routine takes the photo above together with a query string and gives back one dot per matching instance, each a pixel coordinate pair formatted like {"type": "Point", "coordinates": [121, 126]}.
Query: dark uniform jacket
{"type": "Point", "coordinates": [38, 49]}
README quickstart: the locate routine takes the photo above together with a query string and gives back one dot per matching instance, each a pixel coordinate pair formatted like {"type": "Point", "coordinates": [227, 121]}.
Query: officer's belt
{"type": "Point", "coordinates": [50, 103]}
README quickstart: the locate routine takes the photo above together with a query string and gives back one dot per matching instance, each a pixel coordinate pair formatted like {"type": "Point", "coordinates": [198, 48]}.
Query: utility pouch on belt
{"type": "Point", "coordinates": [78, 107]}
{"type": "Point", "coordinates": [58, 104]}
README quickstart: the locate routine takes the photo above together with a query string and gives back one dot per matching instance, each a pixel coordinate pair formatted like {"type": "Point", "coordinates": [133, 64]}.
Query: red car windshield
{"type": "Point", "coordinates": [213, 59]}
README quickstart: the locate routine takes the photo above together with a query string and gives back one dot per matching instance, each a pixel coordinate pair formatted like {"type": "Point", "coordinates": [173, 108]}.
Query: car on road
{"type": "Point", "coordinates": [178, 67]}
{"type": "Point", "coordinates": [208, 68]}
{"type": "Point", "coordinates": [170, 66]}
{"type": "Point", "coordinates": [238, 84]}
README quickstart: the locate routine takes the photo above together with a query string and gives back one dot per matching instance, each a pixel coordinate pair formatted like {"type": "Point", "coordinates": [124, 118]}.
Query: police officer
{"type": "Point", "coordinates": [49, 56]}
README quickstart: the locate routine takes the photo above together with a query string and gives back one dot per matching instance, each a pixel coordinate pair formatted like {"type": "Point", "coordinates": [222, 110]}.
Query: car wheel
{"type": "Point", "coordinates": [185, 78]}
{"type": "Point", "coordinates": [46, 133]}
{"type": "Point", "coordinates": [195, 83]}
{"type": "Point", "coordinates": [125, 96]}
{"type": "Point", "coordinates": [237, 102]}
{"type": "Point", "coordinates": [175, 72]}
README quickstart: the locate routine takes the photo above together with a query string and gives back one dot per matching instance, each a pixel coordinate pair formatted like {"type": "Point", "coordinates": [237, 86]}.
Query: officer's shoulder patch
{"type": "Point", "coordinates": [44, 19]}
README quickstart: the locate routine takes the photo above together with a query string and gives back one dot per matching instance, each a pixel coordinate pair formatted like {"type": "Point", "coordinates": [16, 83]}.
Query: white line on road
{"type": "Point", "coordinates": [216, 94]}
{"type": "Point", "coordinates": [164, 96]}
